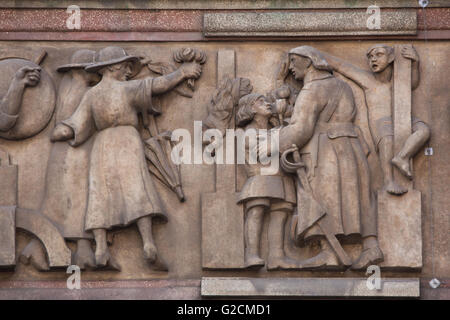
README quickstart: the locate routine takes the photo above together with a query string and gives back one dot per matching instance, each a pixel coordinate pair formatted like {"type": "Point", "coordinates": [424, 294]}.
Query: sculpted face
{"type": "Point", "coordinates": [379, 59]}
{"type": "Point", "coordinates": [262, 107]}
{"type": "Point", "coordinates": [122, 71]}
{"type": "Point", "coordinates": [298, 66]}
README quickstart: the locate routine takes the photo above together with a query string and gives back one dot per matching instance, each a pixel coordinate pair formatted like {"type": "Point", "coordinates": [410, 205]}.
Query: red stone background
{"type": "Point", "coordinates": [156, 25]}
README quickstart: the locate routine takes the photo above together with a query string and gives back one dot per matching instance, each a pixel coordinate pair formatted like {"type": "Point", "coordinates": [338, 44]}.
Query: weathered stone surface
{"type": "Point", "coordinates": [8, 185]}
{"type": "Point", "coordinates": [180, 240]}
{"type": "Point", "coordinates": [7, 236]}
{"type": "Point", "coordinates": [286, 24]}
{"type": "Point", "coordinates": [101, 290]}
{"type": "Point", "coordinates": [59, 255]}
{"type": "Point", "coordinates": [307, 287]}
{"type": "Point", "coordinates": [222, 218]}
{"type": "Point", "coordinates": [220, 4]}
{"type": "Point", "coordinates": [401, 109]}
{"type": "Point", "coordinates": [400, 230]}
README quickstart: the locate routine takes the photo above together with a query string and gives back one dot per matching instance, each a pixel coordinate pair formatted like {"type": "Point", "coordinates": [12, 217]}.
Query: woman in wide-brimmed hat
{"type": "Point", "coordinates": [121, 190]}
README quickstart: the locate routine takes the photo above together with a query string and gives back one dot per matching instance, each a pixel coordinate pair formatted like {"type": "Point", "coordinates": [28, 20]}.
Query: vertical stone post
{"type": "Point", "coordinates": [8, 202]}
{"type": "Point", "coordinates": [400, 217]}
{"type": "Point", "coordinates": [222, 218]}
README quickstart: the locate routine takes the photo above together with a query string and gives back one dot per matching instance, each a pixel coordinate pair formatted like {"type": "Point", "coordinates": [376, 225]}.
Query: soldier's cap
{"type": "Point", "coordinates": [79, 60]}
{"type": "Point", "coordinates": [109, 56]}
{"type": "Point", "coordinates": [318, 60]}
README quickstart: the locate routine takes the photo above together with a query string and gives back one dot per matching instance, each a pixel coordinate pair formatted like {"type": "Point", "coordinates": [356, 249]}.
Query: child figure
{"type": "Point", "coordinates": [264, 193]}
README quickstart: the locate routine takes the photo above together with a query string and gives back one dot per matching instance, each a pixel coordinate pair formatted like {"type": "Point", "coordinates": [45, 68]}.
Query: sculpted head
{"type": "Point", "coordinates": [120, 71]}
{"type": "Point", "coordinates": [251, 105]}
{"type": "Point", "coordinates": [304, 57]}
{"type": "Point", "coordinates": [380, 56]}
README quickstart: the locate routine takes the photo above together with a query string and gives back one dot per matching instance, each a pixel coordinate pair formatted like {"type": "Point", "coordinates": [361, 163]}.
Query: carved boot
{"type": "Point", "coordinates": [326, 259]}
{"type": "Point", "coordinates": [252, 239]}
{"type": "Point", "coordinates": [277, 258]}
{"type": "Point", "coordinates": [252, 258]}
{"type": "Point", "coordinates": [84, 256]}
{"type": "Point", "coordinates": [277, 262]}
{"type": "Point", "coordinates": [34, 253]}
{"type": "Point", "coordinates": [370, 255]}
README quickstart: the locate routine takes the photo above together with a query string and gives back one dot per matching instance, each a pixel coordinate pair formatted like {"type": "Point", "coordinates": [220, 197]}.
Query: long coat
{"type": "Point", "coordinates": [336, 162]}
{"type": "Point", "coordinates": [120, 187]}
{"type": "Point", "coordinates": [66, 193]}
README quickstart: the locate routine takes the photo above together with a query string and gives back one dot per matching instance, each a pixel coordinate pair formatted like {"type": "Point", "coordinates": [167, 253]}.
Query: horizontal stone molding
{"type": "Point", "coordinates": [218, 4]}
{"type": "Point", "coordinates": [308, 287]}
{"type": "Point", "coordinates": [294, 24]}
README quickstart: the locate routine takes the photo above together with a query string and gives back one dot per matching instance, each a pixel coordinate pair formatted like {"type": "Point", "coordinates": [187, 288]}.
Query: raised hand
{"type": "Point", "coordinates": [191, 70]}
{"type": "Point", "coordinates": [410, 53]}
{"type": "Point", "coordinates": [28, 76]}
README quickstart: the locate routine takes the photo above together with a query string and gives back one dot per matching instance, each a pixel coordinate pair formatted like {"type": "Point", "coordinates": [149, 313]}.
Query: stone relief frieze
{"type": "Point", "coordinates": [107, 152]}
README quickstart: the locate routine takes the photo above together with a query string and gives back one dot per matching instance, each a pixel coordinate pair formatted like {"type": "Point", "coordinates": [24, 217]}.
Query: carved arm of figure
{"type": "Point", "coordinates": [301, 127]}
{"type": "Point", "coordinates": [162, 84]}
{"type": "Point", "coordinates": [61, 132]}
{"type": "Point", "coordinates": [410, 53]}
{"type": "Point", "coordinates": [363, 78]}
{"type": "Point", "coordinates": [11, 102]}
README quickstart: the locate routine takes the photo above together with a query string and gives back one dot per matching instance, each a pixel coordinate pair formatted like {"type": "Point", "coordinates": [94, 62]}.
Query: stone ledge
{"type": "Point", "coordinates": [218, 4]}
{"type": "Point", "coordinates": [308, 287]}
{"type": "Point", "coordinates": [103, 290]}
{"type": "Point", "coordinates": [294, 24]}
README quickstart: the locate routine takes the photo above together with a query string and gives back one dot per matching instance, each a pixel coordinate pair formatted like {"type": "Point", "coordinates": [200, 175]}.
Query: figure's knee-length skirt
{"type": "Point", "coordinates": [120, 186]}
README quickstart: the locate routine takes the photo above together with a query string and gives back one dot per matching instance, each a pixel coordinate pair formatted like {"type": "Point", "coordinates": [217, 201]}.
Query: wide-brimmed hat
{"type": "Point", "coordinates": [109, 56]}
{"type": "Point", "coordinates": [79, 60]}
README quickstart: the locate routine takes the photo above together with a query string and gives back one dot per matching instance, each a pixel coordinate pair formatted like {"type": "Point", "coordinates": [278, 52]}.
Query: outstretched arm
{"type": "Point", "coordinates": [361, 77]}
{"type": "Point", "coordinates": [410, 53]}
{"type": "Point", "coordinates": [167, 82]}
{"type": "Point", "coordinates": [301, 128]}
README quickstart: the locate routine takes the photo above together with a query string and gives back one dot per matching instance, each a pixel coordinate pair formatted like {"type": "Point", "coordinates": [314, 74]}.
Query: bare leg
{"type": "Point", "coordinates": [102, 256]}
{"type": "Point", "coordinates": [145, 229]}
{"type": "Point", "coordinates": [253, 226]}
{"type": "Point", "coordinates": [150, 251]}
{"type": "Point", "coordinates": [277, 258]}
{"type": "Point", "coordinates": [386, 147]}
{"type": "Point", "coordinates": [412, 145]}
{"type": "Point", "coordinates": [84, 256]}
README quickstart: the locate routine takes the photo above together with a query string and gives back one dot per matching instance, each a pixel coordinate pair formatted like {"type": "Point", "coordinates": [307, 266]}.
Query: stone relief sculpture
{"type": "Point", "coordinates": [28, 102]}
{"type": "Point", "coordinates": [337, 170]}
{"type": "Point", "coordinates": [66, 183]}
{"type": "Point", "coordinates": [377, 86]}
{"type": "Point", "coordinates": [260, 193]}
{"type": "Point", "coordinates": [12, 100]}
{"type": "Point", "coordinates": [100, 172]}
{"type": "Point", "coordinates": [121, 190]}
{"type": "Point", "coordinates": [27, 95]}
